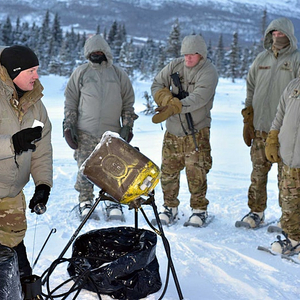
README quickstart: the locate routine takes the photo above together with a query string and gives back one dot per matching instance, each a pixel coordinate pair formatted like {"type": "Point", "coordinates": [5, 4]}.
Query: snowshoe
{"type": "Point", "coordinates": [251, 220]}
{"type": "Point", "coordinates": [197, 219]}
{"type": "Point", "coordinates": [167, 217]}
{"type": "Point", "coordinates": [83, 209]}
{"type": "Point", "coordinates": [113, 211]}
{"type": "Point", "coordinates": [285, 246]}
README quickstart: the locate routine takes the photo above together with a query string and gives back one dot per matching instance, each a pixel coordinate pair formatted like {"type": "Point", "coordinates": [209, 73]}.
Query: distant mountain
{"type": "Point", "coordinates": [154, 18]}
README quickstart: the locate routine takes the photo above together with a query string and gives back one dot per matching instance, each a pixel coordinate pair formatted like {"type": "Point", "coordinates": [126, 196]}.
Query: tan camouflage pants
{"type": "Point", "coordinates": [86, 145]}
{"type": "Point", "coordinates": [179, 153]}
{"type": "Point", "coordinates": [290, 197]}
{"type": "Point", "coordinates": [257, 193]}
{"type": "Point", "coordinates": [13, 224]}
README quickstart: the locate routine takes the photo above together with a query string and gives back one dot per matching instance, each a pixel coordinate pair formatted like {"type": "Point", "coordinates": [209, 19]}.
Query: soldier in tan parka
{"type": "Point", "coordinates": [268, 76]}
{"type": "Point", "coordinates": [99, 97]}
{"type": "Point", "coordinates": [25, 150]}
{"type": "Point", "coordinates": [283, 144]}
{"type": "Point", "coordinates": [183, 147]}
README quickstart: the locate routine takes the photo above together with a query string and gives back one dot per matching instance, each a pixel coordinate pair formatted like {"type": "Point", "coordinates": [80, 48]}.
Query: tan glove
{"type": "Point", "coordinates": [248, 130]}
{"type": "Point", "coordinates": [164, 112]}
{"type": "Point", "coordinates": [272, 146]}
{"type": "Point", "coordinates": [163, 97]}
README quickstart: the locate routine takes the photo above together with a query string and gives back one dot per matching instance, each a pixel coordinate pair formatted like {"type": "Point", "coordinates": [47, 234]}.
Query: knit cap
{"type": "Point", "coordinates": [18, 58]}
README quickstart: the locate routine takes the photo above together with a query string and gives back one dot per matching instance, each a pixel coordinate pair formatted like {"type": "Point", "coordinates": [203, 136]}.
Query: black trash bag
{"type": "Point", "coordinates": [121, 261]}
{"type": "Point", "coordinates": [10, 285]}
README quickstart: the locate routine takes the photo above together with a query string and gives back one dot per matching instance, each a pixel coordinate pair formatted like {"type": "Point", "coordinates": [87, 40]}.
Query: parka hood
{"type": "Point", "coordinates": [283, 25]}
{"type": "Point", "coordinates": [98, 43]}
{"type": "Point", "coordinates": [193, 44]}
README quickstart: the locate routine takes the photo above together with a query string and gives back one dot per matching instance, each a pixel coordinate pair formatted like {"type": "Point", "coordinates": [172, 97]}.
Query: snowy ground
{"type": "Point", "coordinates": [216, 262]}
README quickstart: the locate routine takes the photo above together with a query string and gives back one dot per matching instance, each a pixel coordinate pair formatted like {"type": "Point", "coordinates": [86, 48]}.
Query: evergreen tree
{"type": "Point", "coordinates": [16, 32]}
{"type": "Point", "coordinates": [209, 50]}
{"type": "Point", "coordinates": [149, 55]}
{"type": "Point", "coordinates": [234, 58]}
{"type": "Point", "coordinates": [43, 46]}
{"type": "Point", "coordinates": [161, 58]}
{"type": "Point", "coordinates": [105, 33]}
{"type": "Point", "coordinates": [219, 57]}
{"type": "Point", "coordinates": [263, 29]}
{"type": "Point", "coordinates": [174, 41]}
{"type": "Point", "coordinates": [150, 104]}
{"type": "Point", "coordinates": [7, 32]}
{"type": "Point", "coordinates": [25, 33]}
{"type": "Point", "coordinates": [98, 29]}
{"type": "Point", "coordinates": [127, 58]}
{"type": "Point", "coordinates": [33, 37]}
{"type": "Point", "coordinates": [57, 36]}
{"type": "Point", "coordinates": [245, 63]}
{"type": "Point", "coordinates": [112, 33]}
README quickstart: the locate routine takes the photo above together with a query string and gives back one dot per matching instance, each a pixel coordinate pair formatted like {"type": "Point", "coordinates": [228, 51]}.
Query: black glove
{"type": "Point", "coordinates": [126, 133]}
{"type": "Point", "coordinates": [71, 136]}
{"type": "Point", "coordinates": [22, 140]}
{"type": "Point", "coordinates": [41, 195]}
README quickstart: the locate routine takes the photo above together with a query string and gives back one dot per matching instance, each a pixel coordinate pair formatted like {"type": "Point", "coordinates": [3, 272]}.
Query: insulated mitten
{"type": "Point", "coordinates": [164, 112]}
{"type": "Point", "coordinates": [272, 146]}
{"type": "Point", "coordinates": [71, 136]}
{"type": "Point", "coordinates": [23, 140]}
{"type": "Point", "coordinates": [248, 130]}
{"type": "Point", "coordinates": [163, 97]}
{"type": "Point", "coordinates": [41, 195]}
{"type": "Point", "coordinates": [126, 133]}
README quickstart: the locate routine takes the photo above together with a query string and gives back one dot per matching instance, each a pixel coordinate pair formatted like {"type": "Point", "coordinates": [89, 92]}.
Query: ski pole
{"type": "Point", "coordinates": [53, 230]}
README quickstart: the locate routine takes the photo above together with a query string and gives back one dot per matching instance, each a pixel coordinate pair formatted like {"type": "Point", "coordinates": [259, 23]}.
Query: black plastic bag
{"type": "Point", "coordinates": [121, 261]}
{"type": "Point", "coordinates": [10, 285]}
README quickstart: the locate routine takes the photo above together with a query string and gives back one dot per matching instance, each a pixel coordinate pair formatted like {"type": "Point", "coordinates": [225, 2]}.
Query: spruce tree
{"type": "Point", "coordinates": [7, 32]}
{"type": "Point", "coordinates": [234, 58]}
{"type": "Point", "coordinates": [174, 41]}
{"type": "Point", "coordinates": [219, 57]}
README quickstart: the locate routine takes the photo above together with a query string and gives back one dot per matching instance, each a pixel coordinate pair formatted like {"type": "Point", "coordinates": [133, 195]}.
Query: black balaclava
{"type": "Point", "coordinates": [97, 58]}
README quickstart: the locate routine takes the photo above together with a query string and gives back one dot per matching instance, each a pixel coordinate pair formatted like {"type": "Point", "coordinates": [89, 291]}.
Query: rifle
{"type": "Point", "coordinates": [181, 95]}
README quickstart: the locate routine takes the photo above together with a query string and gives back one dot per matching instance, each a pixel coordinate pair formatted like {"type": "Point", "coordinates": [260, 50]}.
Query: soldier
{"type": "Point", "coordinates": [25, 150]}
{"type": "Point", "coordinates": [283, 144]}
{"type": "Point", "coordinates": [187, 138]}
{"type": "Point", "coordinates": [268, 76]}
{"type": "Point", "coordinates": [98, 97]}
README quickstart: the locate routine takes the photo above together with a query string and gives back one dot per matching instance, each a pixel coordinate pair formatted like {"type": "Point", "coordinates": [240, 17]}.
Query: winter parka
{"type": "Point", "coordinates": [200, 82]}
{"type": "Point", "coordinates": [268, 76]}
{"type": "Point", "coordinates": [100, 95]}
{"type": "Point", "coordinates": [287, 122]}
{"type": "Point", "coordinates": [15, 170]}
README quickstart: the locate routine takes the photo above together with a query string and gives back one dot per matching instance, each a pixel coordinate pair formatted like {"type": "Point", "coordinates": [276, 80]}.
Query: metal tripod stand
{"type": "Point", "coordinates": [136, 204]}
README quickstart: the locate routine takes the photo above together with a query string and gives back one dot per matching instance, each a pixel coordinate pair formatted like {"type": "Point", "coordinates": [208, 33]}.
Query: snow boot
{"type": "Point", "coordinates": [168, 216]}
{"type": "Point", "coordinates": [114, 211]}
{"type": "Point", "coordinates": [84, 208]}
{"type": "Point", "coordinates": [197, 218]}
{"type": "Point", "coordinates": [254, 219]}
{"type": "Point", "coordinates": [285, 246]}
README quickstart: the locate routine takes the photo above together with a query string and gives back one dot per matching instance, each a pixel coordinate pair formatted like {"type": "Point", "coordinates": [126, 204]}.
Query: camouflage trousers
{"type": "Point", "coordinates": [257, 193]}
{"type": "Point", "coordinates": [179, 153]}
{"type": "Point", "coordinates": [86, 145]}
{"type": "Point", "coordinates": [290, 199]}
{"type": "Point", "coordinates": [13, 224]}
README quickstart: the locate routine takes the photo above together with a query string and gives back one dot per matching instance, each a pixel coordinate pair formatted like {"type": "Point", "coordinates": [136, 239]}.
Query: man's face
{"type": "Point", "coordinates": [25, 80]}
{"type": "Point", "coordinates": [191, 60]}
{"type": "Point", "coordinates": [277, 33]}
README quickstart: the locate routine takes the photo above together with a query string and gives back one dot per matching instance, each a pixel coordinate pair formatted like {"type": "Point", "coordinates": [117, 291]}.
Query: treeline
{"type": "Point", "coordinates": [61, 52]}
